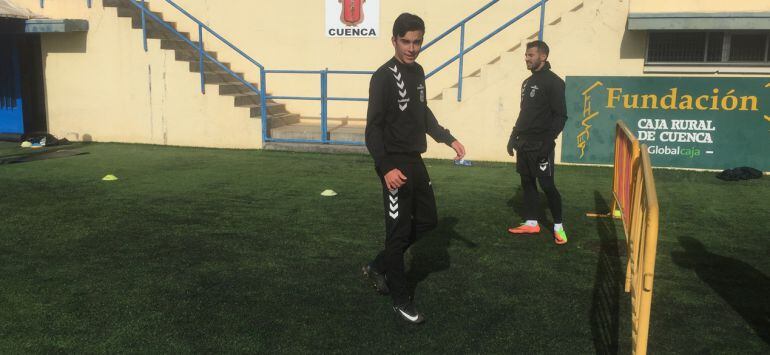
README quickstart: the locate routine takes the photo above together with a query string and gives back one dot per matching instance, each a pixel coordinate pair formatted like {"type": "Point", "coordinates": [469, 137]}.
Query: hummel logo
{"type": "Point", "coordinates": [407, 316]}
{"type": "Point", "coordinates": [393, 192]}
{"type": "Point", "coordinates": [394, 207]}
{"type": "Point", "coordinates": [393, 215]}
{"type": "Point", "coordinates": [543, 166]}
{"type": "Point", "coordinates": [401, 91]}
{"type": "Point", "coordinates": [393, 199]}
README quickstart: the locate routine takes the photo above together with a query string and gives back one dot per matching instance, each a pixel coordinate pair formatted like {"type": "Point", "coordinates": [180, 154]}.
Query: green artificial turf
{"type": "Point", "coordinates": [204, 250]}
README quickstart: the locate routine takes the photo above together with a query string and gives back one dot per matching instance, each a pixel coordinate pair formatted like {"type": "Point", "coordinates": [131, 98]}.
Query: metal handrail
{"type": "Point", "coordinates": [324, 98]}
{"type": "Point", "coordinates": [262, 91]}
{"type": "Point", "coordinates": [463, 50]}
{"type": "Point", "coordinates": [215, 34]}
{"type": "Point", "coordinates": [459, 24]}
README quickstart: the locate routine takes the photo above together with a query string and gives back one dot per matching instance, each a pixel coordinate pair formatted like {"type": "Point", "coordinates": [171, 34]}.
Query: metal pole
{"type": "Point", "coordinates": [263, 103]}
{"type": "Point", "coordinates": [324, 106]}
{"type": "Point", "coordinates": [42, 4]}
{"type": "Point", "coordinates": [542, 19]}
{"type": "Point", "coordinates": [89, 4]}
{"type": "Point", "coordinates": [200, 59]}
{"type": "Point", "coordinates": [460, 79]}
{"type": "Point", "coordinates": [144, 27]}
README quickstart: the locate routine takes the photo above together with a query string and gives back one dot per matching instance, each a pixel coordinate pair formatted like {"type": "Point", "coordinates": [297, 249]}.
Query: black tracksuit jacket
{"type": "Point", "coordinates": [543, 107]}
{"type": "Point", "coordinates": [398, 116]}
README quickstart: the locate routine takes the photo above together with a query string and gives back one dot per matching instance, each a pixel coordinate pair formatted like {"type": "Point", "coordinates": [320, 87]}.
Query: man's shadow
{"type": "Point", "coordinates": [742, 286]}
{"type": "Point", "coordinates": [430, 253]}
{"type": "Point", "coordinates": [517, 204]}
{"type": "Point", "coordinates": [608, 284]}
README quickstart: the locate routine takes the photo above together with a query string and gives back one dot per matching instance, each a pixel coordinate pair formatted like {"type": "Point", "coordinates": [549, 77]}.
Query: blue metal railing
{"type": "Point", "coordinates": [463, 50]}
{"type": "Point", "coordinates": [324, 97]}
{"type": "Point", "coordinates": [262, 90]}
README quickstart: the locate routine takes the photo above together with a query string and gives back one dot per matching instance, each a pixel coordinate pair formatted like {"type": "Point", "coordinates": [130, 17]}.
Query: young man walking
{"type": "Point", "coordinates": [397, 120]}
{"type": "Point", "coordinates": [542, 117]}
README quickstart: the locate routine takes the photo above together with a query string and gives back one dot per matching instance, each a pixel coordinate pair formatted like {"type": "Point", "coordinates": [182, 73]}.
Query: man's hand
{"type": "Point", "coordinates": [546, 149]}
{"type": "Point", "coordinates": [394, 179]}
{"type": "Point", "coordinates": [459, 149]}
{"type": "Point", "coordinates": [513, 142]}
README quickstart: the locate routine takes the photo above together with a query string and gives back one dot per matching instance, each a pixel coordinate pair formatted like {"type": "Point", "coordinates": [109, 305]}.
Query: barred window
{"type": "Point", "coordinates": [713, 47]}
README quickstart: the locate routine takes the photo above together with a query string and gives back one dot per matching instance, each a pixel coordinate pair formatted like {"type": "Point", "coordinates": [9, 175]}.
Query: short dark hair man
{"type": "Point", "coordinates": [542, 117]}
{"type": "Point", "coordinates": [397, 120]}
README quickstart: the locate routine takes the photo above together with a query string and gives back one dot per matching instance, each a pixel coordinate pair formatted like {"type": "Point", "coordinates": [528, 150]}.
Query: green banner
{"type": "Point", "coordinates": [702, 123]}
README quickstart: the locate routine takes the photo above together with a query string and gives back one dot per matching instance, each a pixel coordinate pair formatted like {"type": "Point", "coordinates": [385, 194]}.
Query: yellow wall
{"type": "Point", "coordinates": [109, 65]}
{"type": "Point", "coordinates": [707, 6]}
{"type": "Point", "coordinates": [290, 35]}
{"type": "Point", "coordinates": [104, 84]}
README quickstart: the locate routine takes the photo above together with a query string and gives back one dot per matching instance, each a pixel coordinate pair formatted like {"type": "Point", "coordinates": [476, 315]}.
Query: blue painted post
{"type": "Point", "coordinates": [542, 19]}
{"type": "Point", "coordinates": [144, 27]}
{"type": "Point", "coordinates": [460, 79]}
{"type": "Point", "coordinates": [263, 103]}
{"type": "Point", "coordinates": [324, 106]}
{"type": "Point", "coordinates": [200, 59]}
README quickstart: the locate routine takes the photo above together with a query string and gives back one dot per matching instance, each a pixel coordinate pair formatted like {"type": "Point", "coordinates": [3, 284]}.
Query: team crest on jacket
{"type": "Point", "coordinates": [523, 89]}
{"type": "Point", "coordinates": [421, 88]}
{"type": "Point", "coordinates": [534, 91]}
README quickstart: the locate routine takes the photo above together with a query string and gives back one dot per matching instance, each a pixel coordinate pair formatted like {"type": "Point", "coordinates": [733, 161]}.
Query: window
{"type": "Point", "coordinates": [713, 48]}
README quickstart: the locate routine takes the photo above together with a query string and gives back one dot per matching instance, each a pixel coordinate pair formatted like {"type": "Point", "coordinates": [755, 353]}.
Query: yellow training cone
{"type": "Point", "coordinates": [109, 177]}
{"type": "Point", "coordinates": [328, 193]}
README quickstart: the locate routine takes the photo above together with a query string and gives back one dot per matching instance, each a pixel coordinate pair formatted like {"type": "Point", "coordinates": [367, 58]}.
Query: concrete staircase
{"type": "Point", "coordinates": [513, 57]}
{"type": "Point", "coordinates": [243, 96]}
{"type": "Point", "coordinates": [285, 125]}
{"type": "Point", "coordinates": [491, 95]}
{"type": "Point", "coordinates": [473, 83]}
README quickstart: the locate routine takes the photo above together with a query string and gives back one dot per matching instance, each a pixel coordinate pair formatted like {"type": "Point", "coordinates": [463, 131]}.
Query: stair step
{"type": "Point", "coordinates": [208, 67]}
{"type": "Point", "coordinates": [116, 3]}
{"type": "Point", "coordinates": [248, 100]}
{"type": "Point", "coordinates": [347, 134]}
{"type": "Point", "coordinates": [236, 89]}
{"type": "Point", "coordinates": [273, 109]}
{"type": "Point", "coordinates": [280, 120]}
{"type": "Point", "coordinates": [177, 44]}
{"type": "Point", "coordinates": [191, 55]}
{"type": "Point", "coordinates": [218, 78]}
{"type": "Point", "coordinates": [297, 131]}
{"type": "Point", "coordinates": [311, 131]}
{"type": "Point", "coordinates": [136, 22]}
{"type": "Point", "coordinates": [129, 10]}
{"type": "Point", "coordinates": [316, 148]}
{"type": "Point", "coordinates": [163, 33]}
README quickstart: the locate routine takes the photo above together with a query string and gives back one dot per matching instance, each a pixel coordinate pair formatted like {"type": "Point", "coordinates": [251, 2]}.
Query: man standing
{"type": "Point", "coordinates": [397, 120]}
{"type": "Point", "coordinates": [542, 117]}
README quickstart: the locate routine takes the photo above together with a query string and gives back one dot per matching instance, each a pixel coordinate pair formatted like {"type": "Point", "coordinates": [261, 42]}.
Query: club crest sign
{"type": "Point", "coordinates": [352, 18]}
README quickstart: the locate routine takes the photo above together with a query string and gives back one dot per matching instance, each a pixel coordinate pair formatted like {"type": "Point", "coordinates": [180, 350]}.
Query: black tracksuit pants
{"type": "Point", "coordinates": [409, 211]}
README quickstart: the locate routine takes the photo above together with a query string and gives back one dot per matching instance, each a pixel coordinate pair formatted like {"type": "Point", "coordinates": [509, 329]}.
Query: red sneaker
{"type": "Point", "coordinates": [525, 229]}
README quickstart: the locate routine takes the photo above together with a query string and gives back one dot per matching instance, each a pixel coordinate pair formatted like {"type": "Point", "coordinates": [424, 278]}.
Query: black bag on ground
{"type": "Point", "coordinates": [742, 173]}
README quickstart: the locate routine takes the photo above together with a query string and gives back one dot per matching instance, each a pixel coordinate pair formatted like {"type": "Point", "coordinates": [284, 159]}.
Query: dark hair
{"type": "Point", "coordinates": [540, 45]}
{"type": "Point", "coordinates": [407, 22]}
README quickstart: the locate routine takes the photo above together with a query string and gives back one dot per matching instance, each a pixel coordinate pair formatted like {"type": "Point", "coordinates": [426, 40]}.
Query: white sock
{"type": "Point", "coordinates": [531, 223]}
{"type": "Point", "coordinates": [558, 227]}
